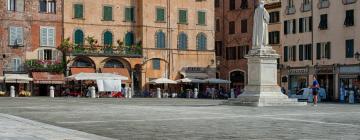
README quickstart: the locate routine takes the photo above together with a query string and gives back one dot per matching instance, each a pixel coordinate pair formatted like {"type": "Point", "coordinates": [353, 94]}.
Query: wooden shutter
{"type": "Point", "coordinates": [43, 36]}
{"type": "Point", "coordinates": [294, 53]}
{"type": "Point", "coordinates": [201, 17]}
{"type": "Point", "coordinates": [294, 26]}
{"type": "Point", "coordinates": [301, 25]}
{"type": "Point", "coordinates": [51, 37]}
{"type": "Point", "coordinates": [78, 9]}
{"type": "Point", "coordinates": [12, 35]}
{"type": "Point", "coordinates": [160, 14]}
{"type": "Point", "coordinates": [183, 16]}
{"type": "Point", "coordinates": [301, 52]}
{"type": "Point", "coordinates": [107, 13]}
{"type": "Point", "coordinates": [318, 51]}
{"type": "Point", "coordinates": [328, 50]}
{"type": "Point", "coordinates": [42, 5]}
{"type": "Point", "coordinates": [19, 36]}
{"type": "Point", "coordinates": [285, 27]}
{"type": "Point", "coordinates": [19, 5]}
{"type": "Point", "coordinates": [54, 54]}
{"type": "Point", "coordinates": [285, 53]}
{"type": "Point", "coordinates": [41, 54]}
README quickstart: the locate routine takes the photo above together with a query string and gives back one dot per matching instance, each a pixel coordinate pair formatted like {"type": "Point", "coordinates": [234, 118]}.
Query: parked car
{"type": "Point", "coordinates": [305, 94]}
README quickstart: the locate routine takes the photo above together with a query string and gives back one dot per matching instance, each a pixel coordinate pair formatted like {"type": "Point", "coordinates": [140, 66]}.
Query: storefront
{"type": "Point", "coordinates": [21, 83]}
{"type": "Point", "coordinates": [326, 77]}
{"type": "Point", "coordinates": [349, 80]}
{"type": "Point", "coordinates": [44, 80]}
{"type": "Point", "coordinates": [297, 79]}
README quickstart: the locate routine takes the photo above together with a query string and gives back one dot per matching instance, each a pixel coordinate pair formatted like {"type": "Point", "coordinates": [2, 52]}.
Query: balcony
{"type": "Point", "coordinates": [305, 7]}
{"type": "Point", "coordinates": [290, 10]}
{"type": "Point", "coordinates": [127, 51]}
{"type": "Point", "coordinates": [19, 69]}
{"type": "Point", "coordinates": [44, 65]}
{"type": "Point", "coordinates": [346, 2]}
{"type": "Point", "coordinates": [323, 4]}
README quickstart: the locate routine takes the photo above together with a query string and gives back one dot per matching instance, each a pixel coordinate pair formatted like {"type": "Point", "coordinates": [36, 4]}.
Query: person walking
{"type": "Point", "coordinates": [315, 89]}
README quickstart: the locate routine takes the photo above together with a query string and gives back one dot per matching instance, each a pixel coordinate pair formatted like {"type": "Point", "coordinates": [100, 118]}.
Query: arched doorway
{"type": "Point", "coordinates": [237, 79]}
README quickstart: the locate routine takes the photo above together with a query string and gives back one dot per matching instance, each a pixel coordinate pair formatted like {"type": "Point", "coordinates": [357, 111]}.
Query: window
{"type": "Point", "coordinates": [218, 48]}
{"type": "Point", "coordinates": [15, 5]}
{"type": "Point", "coordinates": [182, 41]}
{"type": "Point", "coordinates": [160, 14]}
{"type": "Point", "coordinates": [290, 3]}
{"type": "Point", "coordinates": [217, 3]}
{"type": "Point", "coordinates": [230, 53]}
{"type": "Point", "coordinates": [217, 25]}
{"type": "Point", "coordinates": [107, 13]}
{"type": "Point", "coordinates": [78, 11]}
{"type": "Point", "coordinates": [242, 51]}
{"type": "Point", "coordinates": [201, 41]}
{"type": "Point", "coordinates": [286, 53]}
{"type": "Point", "coordinates": [244, 26]}
{"type": "Point", "coordinates": [305, 24]}
{"type": "Point", "coordinates": [289, 53]}
{"type": "Point", "coordinates": [113, 63]}
{"type": "Point", "coordinates": [201, 18]}
{"type": "Point", "coordinates": [160, 39]}
{"type": "Point", "coordinates": [156, 64]}
{"type": "Point", "coordinates": [274, 17]}
{"type": "Point", "coordinates": [108, 38]}
{"type": "Point", "coordinates": [129, 39]}
{"type": "Point", "coordinates": [349, 48]}
{"type": "Point", "coordinates": [232, 27]}
{"type": "Point", "coordinates": [130, 14]}
{"type": "Point", "coordinates": [323, 50]}
{"type": "Point", "coordinates": [290, 26]}
{"type": "Point", "coordinates": [16, 64]}
{"type": "Point", "coordinates": [183, 16]}
{"type": "Point", "coordinates": [274, 37]}
{"type": "Point", "coordinates": [232, 5]}
{"type": "Point", "coordinates": [16, 36]}
{"type": "Point", "coordinates": [349, 19]}
{"type": "Point", "coordinates": [323, 25]}
{"type": "Point", "coordinates": [244, 4]}
{"type": "Point", "coordinates": [48, 54]}
{"type": "Point", "coordinates": [47, 36]}
{"type": "Point", "coordinates": [305, 52]}
{"type": "Point", "coordinates": [306, 6]}
{"type": "Point", "coordinates": [79, 37]}
{"type": "Point", "coordinates": [47, 6]}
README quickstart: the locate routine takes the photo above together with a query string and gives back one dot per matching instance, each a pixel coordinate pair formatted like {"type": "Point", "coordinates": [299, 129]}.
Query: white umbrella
{"type": "Point", "coordinates": [162, 81]}
{"type": "Point", "coordinates": [97, 76]}
{"type": "Point", "coordinates": [217, 81]}
{"type": "Point", "coordinates": [190, 80]}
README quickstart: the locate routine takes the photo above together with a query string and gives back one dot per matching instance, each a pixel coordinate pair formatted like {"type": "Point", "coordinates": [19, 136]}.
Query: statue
{"type": "Point", "coordinates": [260, 29]}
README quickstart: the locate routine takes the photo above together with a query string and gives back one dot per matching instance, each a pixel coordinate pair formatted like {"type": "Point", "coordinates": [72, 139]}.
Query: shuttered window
{"type": "Point", "coordinates": [129, 39]}
{"type": "Point", "coordinates": [107, 13]}
{"type": "Point", "coordinates": [16, 36]}
{"type": "Point", "coordinates": [201, 41]}
{"type": "Point", "coordinates": [16, 64]}
{"type": "Point", "coordinates": [201, 18]}
{"type": "Point", "coordinates": [78, 11]}
{"type": "Point", "coordinates": [183, 16]}
{"type": "Point", "coordinates": [108, 38]}
{"type": "Point", "coordinates": [286, 53]}
{"type": "Point", "coordinates": [182, 41]}
{"type": "Point", "coordinates": [160, 39]}
{"type": "Point", "coordinates": [15, 5]}
{"type": "Point", "coordinates": [156, 64]}
{"type": "Point", "coordinates": [47, 36]}
{"type": "Point", "coordinates": [160, 14]}
{"type": "Point", "coordinates": [349, 48]}
{"type": "Point", "coordinates": [79, 37]}
{"type": "Point", "coordinates": [129, 14]}
{"type": "Point", "coordinates": [301, 52]}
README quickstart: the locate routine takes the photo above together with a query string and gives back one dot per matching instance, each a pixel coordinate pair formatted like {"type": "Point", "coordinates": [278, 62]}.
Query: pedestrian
{"type": "Point", "coordinates": [315, 88]}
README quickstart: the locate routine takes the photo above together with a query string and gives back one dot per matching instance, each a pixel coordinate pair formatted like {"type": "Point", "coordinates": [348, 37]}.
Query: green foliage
{"type": "Point", "coordinates": [45, 65]}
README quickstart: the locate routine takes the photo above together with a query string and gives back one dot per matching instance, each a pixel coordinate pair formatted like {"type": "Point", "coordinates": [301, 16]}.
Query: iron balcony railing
{"type": "Point", "coordinates": [128, 51]}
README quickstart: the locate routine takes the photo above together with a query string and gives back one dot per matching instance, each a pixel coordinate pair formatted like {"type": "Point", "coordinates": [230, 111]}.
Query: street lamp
{"type": "Point", "coordinates": [357, 56]}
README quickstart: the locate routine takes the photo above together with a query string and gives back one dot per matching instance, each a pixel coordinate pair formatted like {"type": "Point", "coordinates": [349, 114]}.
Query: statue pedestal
{"type": "Point", "coordinates": [262, 88]}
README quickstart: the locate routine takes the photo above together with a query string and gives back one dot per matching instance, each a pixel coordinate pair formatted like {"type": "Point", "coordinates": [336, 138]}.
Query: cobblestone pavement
{"type": "Point", "coordinates": [188, 119]}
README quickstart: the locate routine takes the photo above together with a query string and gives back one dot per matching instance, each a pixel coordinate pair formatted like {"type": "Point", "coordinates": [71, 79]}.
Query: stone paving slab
{"type": "Point", "coordinates": [16, 128]}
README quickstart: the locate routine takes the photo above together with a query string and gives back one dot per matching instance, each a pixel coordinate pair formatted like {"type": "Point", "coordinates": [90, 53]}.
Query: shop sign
{"type": "Point", "coordinates": [349, 70]}
{"type": "Point", "coordinates": [325, 70]}
{"type": "Point", "coordinates": [298, 71]}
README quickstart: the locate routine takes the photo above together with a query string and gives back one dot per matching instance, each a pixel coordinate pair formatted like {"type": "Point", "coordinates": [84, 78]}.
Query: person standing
{"type": "Point", "coordinates": [315, 89]}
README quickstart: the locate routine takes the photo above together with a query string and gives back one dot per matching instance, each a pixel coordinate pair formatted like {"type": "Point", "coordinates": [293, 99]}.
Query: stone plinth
{"type": "Point", "coordinates": [262, 88]}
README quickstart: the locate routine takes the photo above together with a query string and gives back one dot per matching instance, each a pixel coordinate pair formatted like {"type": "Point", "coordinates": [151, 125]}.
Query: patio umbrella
{"type": "Point", "coordinates": [162, 81]}
{"type": "Point", "coordinates": [217, 81]}
{"type": "Point", "coordinates": [96, 76]}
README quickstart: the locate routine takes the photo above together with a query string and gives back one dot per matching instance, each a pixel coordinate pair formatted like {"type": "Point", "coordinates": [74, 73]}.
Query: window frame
{"type": "Point", "coordinates": [47, 36]}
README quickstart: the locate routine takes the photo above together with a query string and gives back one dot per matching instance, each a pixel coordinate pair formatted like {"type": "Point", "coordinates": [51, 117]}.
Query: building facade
{"type": "Point", "coordinates": [141, 39]}
{"type": "Point", "coordinates": [320, 39]}
{"type": "Point", "coordinates": [28, 29]}
{"type": "Point", "coordinates": [233, 19]}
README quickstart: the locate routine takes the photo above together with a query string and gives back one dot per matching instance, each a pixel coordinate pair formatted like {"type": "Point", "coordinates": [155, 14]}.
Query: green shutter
{"type": "Point", "coordinates": [129, 14]}
{"type": "Point", "coordinates": [108, 38]}
{"type": "Point", "coordinates": [79, 37]}
{"type": "Point", "coordinates": [201, 18]}
{"type": "Point", "coordinates": [78, 11]}
{"type": "Point", "coordinates": [107, 13]}
{"type": "Point", "coordinates": [160, 14]}
{"type": "Point", "coordinates": [182, 16]}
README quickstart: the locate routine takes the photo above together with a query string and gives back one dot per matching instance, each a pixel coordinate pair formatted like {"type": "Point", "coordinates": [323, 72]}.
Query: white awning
{"type": "Point", "coordinates": [16, 78]}
{"type": "Point", "coordinates": [162, 81]}
{"type": "Point", "coordinates": [217, 81]}
{"type": "Point", "coordinates": [195, 75]}
{"type": "Point", "coordinates": [190, 80]}
{"type": "Point", "coordinates": [97, 76]}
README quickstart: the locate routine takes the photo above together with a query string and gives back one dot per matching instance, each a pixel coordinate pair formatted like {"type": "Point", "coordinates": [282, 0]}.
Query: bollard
{"type": "Point", "coordinates": [188, 94]}
{"type": "Point", "coordinates": [351, 97]}
{"type": "Point", "coordinates": [126, 94]}
{"type": "Point", "coordinates": [130, 93]}
{"type": "Point", "coordinates": [158, 93]}
{"type": "Point", "coordinates": [92, 91]}
{"type": "Point", "coordinates": [196, 93]}
{"type": "Point", "coordinates": [12, 91]}
{"type": "Point", "coordinates": [52, 92]}
{"type": "Point", "coordinates": [232, 94]}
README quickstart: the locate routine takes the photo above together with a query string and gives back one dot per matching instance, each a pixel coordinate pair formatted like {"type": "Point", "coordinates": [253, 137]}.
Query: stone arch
{"type": "Point", "coordinates": [237, 78]}
{"type": "Point", "coordinates": [83, 61]}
